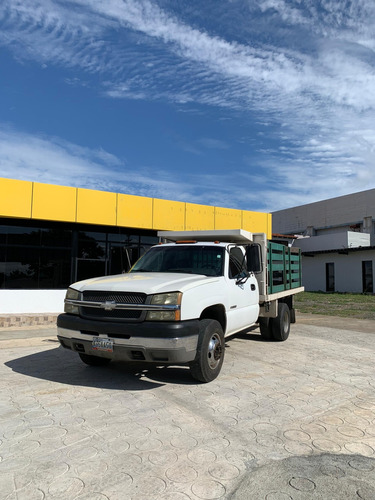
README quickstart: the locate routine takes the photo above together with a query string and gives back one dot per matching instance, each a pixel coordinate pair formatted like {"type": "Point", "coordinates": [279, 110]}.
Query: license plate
{"type": "Point", "coordinates": [101, 344]}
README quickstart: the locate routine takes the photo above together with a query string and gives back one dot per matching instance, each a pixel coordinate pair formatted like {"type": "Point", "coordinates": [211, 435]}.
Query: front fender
{"type": "Point", "coordinates": [195, 301]}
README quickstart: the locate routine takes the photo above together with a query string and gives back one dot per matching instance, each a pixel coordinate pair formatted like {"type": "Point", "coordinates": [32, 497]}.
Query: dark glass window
{"type": "Point", "coordinates": [236, 262]}
{"type": "Point", "coordinates": [121, 258]}
{"type": "Point", "coordinates": [149, 240]}
{"type": "Point", "coordinates": [90, 246]}
{"type": "Point", "coordinates": [54, 268]}
{"type": "Point", "coordinates": [34, 267]}
{"type": "Point", "coordinates": [182, 259]}
{"type": "Point", "coordinates": [90, 268]}
{"type": "Point", "coordinates": [43, 254]}
{"type": "Point", "coordinates": [2, 267]}
{"type": "Point", "coordinates": [92, 235]}
{"type": "Point", "coordinates": [330, 277]}
{"type": "Point", "coordinates": [3, 234]}
{"type": "Point", "coordinates": [56, 238]}
{"type": "Point", "coordinates": [127, 239]}
{"type": "Point", "coordinates": [21, 267]}
{"type": "Point", "coordinates": [367, 277]}
{"type": "Point", "coordinates": [23, 236]}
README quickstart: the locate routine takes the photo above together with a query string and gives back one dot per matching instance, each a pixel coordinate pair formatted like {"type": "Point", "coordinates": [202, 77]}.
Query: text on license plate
{"type": "Point", "coordinates": [101, 344]}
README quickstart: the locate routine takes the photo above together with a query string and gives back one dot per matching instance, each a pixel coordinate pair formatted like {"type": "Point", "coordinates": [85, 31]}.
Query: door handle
{"type": "Point", "coordinates": [253, 287]}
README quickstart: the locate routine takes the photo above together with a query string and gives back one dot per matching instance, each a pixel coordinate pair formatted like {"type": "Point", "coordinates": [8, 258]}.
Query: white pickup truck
{"type": "Point", "coordinates": [182, 299]}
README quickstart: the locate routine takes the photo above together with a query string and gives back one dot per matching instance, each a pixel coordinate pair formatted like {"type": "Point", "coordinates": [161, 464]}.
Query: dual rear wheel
{"type": "Point", "coordinates": [276, 328]}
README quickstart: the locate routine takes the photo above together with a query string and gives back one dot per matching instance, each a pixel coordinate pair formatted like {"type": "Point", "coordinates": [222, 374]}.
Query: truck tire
{"type": "Point", "coordinates": [292, 315]}
{"type": "Point", "coordinates": [94, 360]}
{"type": "Point", "coordinates": [281, 324]}
{"type": "Point", "coordinates": [265, 326]}
{"type": "Point", "coordinates": [210, 351]}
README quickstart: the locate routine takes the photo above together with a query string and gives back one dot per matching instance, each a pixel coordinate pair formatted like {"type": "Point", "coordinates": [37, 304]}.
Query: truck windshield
{"type": "Point", "coordinates": [206, 260]}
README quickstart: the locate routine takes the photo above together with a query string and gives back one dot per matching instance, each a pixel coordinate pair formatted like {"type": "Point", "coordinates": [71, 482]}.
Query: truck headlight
{"type": "Point", "coordinates": [170, 304]}
{"type": "Point", "coordinates": [71, 294]}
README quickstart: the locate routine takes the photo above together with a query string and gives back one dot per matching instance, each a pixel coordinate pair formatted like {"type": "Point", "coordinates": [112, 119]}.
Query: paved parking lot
{"type": "Point", "coordinates": [292, 420]}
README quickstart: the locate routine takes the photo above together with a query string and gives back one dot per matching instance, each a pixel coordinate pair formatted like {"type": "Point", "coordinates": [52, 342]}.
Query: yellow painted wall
{"type": "Point", "coordinates": [50, 202]}
{"type": "Point", "coordinates": [15, 198]}
{"type": "Point", "coordinates": [96, 207]}
{"type": "Point", "coordinates": [168, 215]}
{"type": "Point", "coordinates": [199, 217]}
{"type": "Point", "coordinates": [134, 211]}
{"type": "Point", "coordinates": [228, 218]}
{"type": "Point", "coordinates": [257, 222]}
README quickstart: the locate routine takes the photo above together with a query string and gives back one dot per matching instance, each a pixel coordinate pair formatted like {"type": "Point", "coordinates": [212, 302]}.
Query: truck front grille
{"type": "Point", "coordinates": [115, 314]}
{"type": "Point", "coordinates": [120, 297]}
{"type": "Point", "coordinates": [94, 313]}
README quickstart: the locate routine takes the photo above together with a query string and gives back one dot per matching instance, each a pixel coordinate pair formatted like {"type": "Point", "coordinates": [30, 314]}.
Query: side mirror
{"type": "Point", "coordinates": [254, 258]}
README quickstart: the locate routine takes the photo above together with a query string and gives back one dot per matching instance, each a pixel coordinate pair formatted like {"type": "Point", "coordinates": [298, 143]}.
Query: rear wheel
{"type": "Point", "coordinates": [210, 351]}
{"type": "Point", "coordinates": [94, 360]}
{"type": "Point", "coordinates": [281, 324]}
{"type": "Point", "coordinates": [292, 315]}
{"type": "Point", "coordinates": [265, 326]}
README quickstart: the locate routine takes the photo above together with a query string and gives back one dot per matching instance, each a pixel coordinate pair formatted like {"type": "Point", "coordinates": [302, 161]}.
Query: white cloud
{"type": "Point", "coordinates": [278, 184]}
{"type": "Point", "coordinates": [262, 77]}
{"type": "Point", "coordinates": [50, 160]}
{"type": "Point", "coordinates": [322, 98]}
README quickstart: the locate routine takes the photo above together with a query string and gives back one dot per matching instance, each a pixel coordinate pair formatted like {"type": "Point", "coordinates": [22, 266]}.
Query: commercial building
{"type": "Point", "coordinates": [337, 240]}
{"type": "Point", "coordinates": [51, 236]}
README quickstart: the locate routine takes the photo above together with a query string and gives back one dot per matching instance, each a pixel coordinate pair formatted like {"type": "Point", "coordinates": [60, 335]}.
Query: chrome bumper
{"type": "Point", "coordinates": [175, 347]}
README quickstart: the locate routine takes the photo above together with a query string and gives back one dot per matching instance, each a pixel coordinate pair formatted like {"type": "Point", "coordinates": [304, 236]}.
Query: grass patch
{"type": "Point", "coordinates": [353, 305]}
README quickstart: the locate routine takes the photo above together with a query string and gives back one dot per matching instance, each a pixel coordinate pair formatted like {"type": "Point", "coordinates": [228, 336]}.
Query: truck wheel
{"type": "Point", "coordinates": [265, 326]}
{"type": "Point", "coordinates": [292, 315]}
{"type": "Point", "coordinates": [210, 351]}
{"type": "Point", "coordinates": [281, 324]}
{"type": "Point", "coordinates": [94, 360]}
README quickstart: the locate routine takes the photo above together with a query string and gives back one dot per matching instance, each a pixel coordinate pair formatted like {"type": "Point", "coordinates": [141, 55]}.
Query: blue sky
{"type": "Point", "coordinates": [251, 104]}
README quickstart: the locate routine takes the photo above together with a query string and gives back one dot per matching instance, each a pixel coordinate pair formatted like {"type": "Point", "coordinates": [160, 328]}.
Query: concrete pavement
{"type": "Point", "coordinates": [284, 420]}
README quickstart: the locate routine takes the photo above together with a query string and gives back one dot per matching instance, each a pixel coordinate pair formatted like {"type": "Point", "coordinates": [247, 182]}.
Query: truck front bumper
{"type": "Point", "coordinates": [153, 342]}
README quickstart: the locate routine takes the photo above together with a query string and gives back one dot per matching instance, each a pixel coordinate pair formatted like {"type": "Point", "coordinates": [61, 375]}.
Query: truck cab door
{"type": "Point", "coordinates": [243, 294]}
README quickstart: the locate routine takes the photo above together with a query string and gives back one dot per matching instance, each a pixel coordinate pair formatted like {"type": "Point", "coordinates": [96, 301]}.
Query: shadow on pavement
{"type": "Point", "coordinates": [249, 336]}
{"type": "Point", "coordinates": [58, 365]}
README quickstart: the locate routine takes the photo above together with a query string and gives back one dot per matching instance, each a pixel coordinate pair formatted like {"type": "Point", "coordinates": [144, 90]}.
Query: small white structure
{"type": "Point", "coordinates": [337, 239]}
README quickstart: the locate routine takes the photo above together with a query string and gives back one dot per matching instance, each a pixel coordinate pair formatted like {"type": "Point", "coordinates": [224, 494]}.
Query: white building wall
{"type": "Point", "coordinates": [348, 270]}
{"type": "Point", "coordinates": [31, 301]}
{"type": "Point", "coordinates": [313, 273]}
{"type": "Point", "coordinates": [348, 239]}
{"type": "Point", "coordinates": [337, 223]}
{"type": "Point", "coordinates": [332, 230]}
{"type": "Point", "coordinates": [332, 213]}
{"type": "Point", "coordinates": [356, 240]}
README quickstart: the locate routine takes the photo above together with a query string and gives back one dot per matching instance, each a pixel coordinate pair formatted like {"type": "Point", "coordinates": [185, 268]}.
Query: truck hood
{"type": "Point", "coordinates": [148, 283]}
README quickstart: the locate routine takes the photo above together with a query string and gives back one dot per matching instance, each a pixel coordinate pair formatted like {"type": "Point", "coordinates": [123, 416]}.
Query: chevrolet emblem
{"type": "Point", "coordinates": [108, 305]}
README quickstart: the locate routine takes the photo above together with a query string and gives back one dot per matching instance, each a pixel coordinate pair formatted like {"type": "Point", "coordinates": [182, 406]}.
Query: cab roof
{"type": "Point", "coordinates": [222, 235]}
